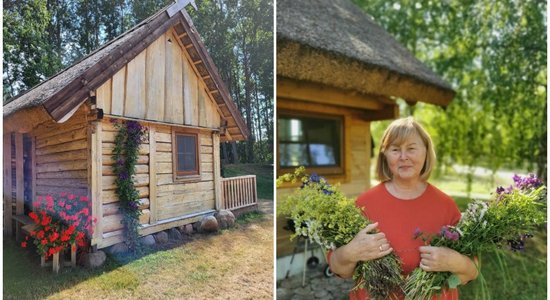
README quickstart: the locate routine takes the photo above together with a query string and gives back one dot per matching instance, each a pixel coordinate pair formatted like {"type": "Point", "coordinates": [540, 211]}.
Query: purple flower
{"type": "Point", "coordinates": [123, 175]}
{"type": "Point", "coordinates": [500, 190]}
{"type": "Point", "coordinates": [120, 162]}
{"type": "Point", "coordinates": [417, 233]}
{"type": "Point", "coordinates": [133, 205]}
{"type": "Point", "coordinates": [527, 183]}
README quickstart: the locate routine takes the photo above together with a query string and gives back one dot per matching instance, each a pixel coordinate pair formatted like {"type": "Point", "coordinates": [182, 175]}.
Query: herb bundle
{"type": "Point", "coordinates": [323, 214]}
{"type": "Point", "coordinates": [504, 221]}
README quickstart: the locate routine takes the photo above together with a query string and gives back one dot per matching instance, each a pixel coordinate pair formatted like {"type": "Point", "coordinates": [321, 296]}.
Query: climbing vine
{"type": "Point", "coordinates": [130, 135]}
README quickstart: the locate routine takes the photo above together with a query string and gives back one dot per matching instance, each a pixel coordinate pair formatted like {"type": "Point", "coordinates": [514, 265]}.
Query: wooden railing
{"type": "Point", "coordinates": [239, 192]}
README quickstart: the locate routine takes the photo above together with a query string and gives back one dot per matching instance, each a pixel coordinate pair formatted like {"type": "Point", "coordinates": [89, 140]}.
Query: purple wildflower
{"type": "Point", "coordinates": [133, 205]}
{"type": "Point", "coordinates": [500, 190]}
{"type": "Point", "coordinates": [120, 162]}
{"type": "Point", "coordinates": [123, 175]}
{"type": "Point", "coordinates": [527, 183]}
{"type": "Point", "coordinates": [417, 233]}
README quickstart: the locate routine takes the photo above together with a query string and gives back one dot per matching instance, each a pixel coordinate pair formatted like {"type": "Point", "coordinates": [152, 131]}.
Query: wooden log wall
{"type": "Point", "coordinates": [111, 216]}
{"type": "Point", "coordinates": [176, 199]}
{"type": "Point", "coordinates": [160, 84]}
{"type": "Point", "coordinates": [62, 156]}
{"type": "Point", "coordinates": [170, 199]}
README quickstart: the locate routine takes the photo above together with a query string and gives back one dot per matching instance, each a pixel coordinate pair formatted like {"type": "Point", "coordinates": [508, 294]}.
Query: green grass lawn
{"type": "Point", "coordinates": [236, 263]}
{"type": "Point", "coordinates": [263, 172]}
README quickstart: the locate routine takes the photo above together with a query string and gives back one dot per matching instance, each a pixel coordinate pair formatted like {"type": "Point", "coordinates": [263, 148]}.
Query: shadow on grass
{"type": "Point", "coordinates": [25, 279]}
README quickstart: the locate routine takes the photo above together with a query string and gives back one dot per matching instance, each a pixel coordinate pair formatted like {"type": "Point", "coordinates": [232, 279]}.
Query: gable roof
{"type": "Point", "coordinates": [64, 92]}
{"type": "Point", "coordinates": [340, 32]}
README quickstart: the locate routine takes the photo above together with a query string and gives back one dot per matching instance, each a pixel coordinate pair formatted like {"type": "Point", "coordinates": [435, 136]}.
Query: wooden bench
{"type": "Point", "coordinates": [21, 221]}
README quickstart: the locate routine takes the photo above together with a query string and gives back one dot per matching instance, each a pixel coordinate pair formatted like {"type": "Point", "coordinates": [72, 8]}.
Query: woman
{"type": "Point", "coordinates": [402, 204]}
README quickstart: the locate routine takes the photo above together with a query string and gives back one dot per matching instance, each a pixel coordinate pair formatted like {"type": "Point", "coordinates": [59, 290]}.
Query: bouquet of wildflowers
{"type": "Point", "coordinates": [507, 219]}
{"type": "Point", "coordinates": [323, 214]}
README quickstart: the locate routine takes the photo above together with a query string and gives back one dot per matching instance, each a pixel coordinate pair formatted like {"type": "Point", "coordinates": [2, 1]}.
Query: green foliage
{"type": "Point", "coordinates": [325, 215]}
{"type": "Point", "coordinates": [494, 55]}
{"type": "Point", "coordinates": [239, 37]}
{"type": "Point", "coordinates": [125, 153]}
{"type": "Point", "coordinates": [28, 57]}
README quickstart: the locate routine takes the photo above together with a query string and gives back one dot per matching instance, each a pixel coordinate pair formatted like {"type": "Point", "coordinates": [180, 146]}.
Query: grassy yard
{"type": "Point", "coordinates": [233, 264]}
{"type": "Point", "coordinates": [263, 172]}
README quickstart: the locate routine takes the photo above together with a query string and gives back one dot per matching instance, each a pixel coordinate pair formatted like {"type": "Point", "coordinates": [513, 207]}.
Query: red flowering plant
{"type": "Point", "coordinates": [60, 222]}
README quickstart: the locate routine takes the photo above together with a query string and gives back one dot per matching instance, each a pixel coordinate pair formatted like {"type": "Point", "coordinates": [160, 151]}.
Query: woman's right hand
{"type": "Point", "coordinates": [365, 246]}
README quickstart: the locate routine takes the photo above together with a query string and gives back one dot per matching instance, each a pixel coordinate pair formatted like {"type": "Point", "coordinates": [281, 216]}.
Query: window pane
{"type": "Point", "coordinates": [322, 155]}
{"type": "Point", "coordinates": [180, 141]}
{"type": "Point", "coordinates": [187, 153]}
{"type": "Point", "coordinates": [290, 129]}
{"type": "Point", "coordinates": [293, 155]}
{"type": "Point", "coordinates": [189, 162]}
{"type": "Point", "coordinates": [309, 141]}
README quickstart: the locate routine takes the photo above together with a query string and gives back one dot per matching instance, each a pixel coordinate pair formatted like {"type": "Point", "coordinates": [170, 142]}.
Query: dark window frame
{"type": "Point", "coordinates": [185, 175]}
{"type": "Point", "coordinates": [338, 169]}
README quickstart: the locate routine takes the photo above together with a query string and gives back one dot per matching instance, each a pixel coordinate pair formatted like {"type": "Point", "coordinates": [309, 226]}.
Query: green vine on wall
{"type": "Point", "coordinates": [129, 137]}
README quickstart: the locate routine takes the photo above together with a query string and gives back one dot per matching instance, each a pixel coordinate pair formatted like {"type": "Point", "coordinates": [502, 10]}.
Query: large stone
{"type": "Point", "coordinates": [174, 234]}
{"type": "Point", "coordinates": [225, 218]}
{"type": "Point", "coordinates": [93, 260]}
{"type": "Point", "coordinates": [197, 226]}
{"type": "Point", "coordinates": [161, 237]}
{"type": "Point", "coordinates": [209, 224]}
{"type": "Point", "coordinates": [118, 248]}
{"type": "Point", "coordinates": [148, 240]}
{"type": "Point", "coordinates": [283, 294]}
{"type": "Point", "coordinates": [188, 229]}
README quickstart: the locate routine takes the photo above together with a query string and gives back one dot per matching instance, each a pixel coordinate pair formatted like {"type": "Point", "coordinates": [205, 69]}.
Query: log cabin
{"type": "Point", "coordinates": [338, 71]}
{"type": "Point", "coordinates": [58, 136]}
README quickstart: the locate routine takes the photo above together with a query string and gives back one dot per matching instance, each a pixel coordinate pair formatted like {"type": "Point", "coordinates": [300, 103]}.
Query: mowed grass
{"type": "Point", "coordinates": [232, 264]}
{"type": "Point", "coordinates": [263, 172]}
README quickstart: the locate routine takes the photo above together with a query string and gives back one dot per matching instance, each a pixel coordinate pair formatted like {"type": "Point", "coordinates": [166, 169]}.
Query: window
{"type": "Point", "coordinates": [313, 142]}
{"type": "Point", "coordinates": [186, 154]}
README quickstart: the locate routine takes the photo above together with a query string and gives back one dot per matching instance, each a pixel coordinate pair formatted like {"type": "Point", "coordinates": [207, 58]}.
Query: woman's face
{"type": "Point", "coordinates": [406, 160]}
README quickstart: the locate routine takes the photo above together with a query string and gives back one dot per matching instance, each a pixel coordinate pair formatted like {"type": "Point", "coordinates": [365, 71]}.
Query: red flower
{"type": "Point", "coordinates": [54, 236]}
{"type": "Point", "coordinates": [49, 199]}
{"type": "Point", "coordinates": [61, 203]}
{"type": "Point", "coordinates": [40, 234]}
{"type": "Point", "coordinates": [83, 198]}
{"type": "Point", "coordinates": [24, 244]}
{"type": "Point", "coordinates": [70, 197]}
{"type": "Point", "coordinates": [44, 242]}
{"type": "Point", "coordinates": [68, 206]}
{"type": "Point", "coordinates": [33, 216]}
{"type": "Point", "coordinates": [32, 233]}
{"type": "Point", "coordinates": [85, 211]}
{"type": "Point", "coordinates": [63, 194]}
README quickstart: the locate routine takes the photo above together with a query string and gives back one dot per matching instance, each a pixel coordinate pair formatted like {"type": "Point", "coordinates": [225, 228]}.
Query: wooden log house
{"type": "Point", "coordinates": [337, 71]}
{"type": "Point", "coordinates": [58, 136]}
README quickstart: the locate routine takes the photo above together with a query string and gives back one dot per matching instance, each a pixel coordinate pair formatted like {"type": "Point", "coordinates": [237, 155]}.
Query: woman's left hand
{"type": "Point", "coordinates": [439, 259]}
{"type": "Point", "coordinates": [443, 259]}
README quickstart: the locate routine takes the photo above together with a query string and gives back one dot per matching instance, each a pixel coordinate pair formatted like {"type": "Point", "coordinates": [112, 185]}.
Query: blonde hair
{"type": "Point", "coordinates": [398, 131]}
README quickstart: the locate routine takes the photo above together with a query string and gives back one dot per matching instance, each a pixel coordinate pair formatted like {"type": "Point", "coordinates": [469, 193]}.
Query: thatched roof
{"type": "Point", "coordinates": [68, 89]}
{"type": "Point", "coordinates": [335, 43]}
